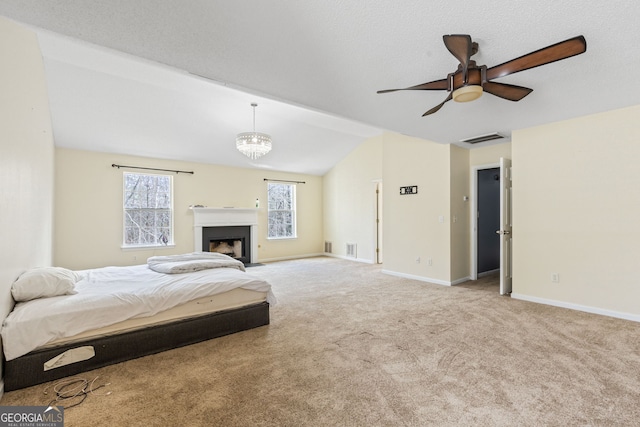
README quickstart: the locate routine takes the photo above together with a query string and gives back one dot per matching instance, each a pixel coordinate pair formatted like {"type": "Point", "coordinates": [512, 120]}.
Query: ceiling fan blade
{"type": "Point", "coordinates": [434, 85]}
{"type": "Point", "coordinates": [506, 91]}
{"type": "Point", "coordinates": [461, 47]}
{"type": "Point", "coordinates": [546, 55]}
{"type": "Point", "coordinates": [439, 106]}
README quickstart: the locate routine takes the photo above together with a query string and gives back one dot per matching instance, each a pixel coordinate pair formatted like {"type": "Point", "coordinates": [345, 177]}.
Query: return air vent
{"type": "Point", "coordinates": [327, 247]}
{"type": "Point", "coordinates": [482, 138]}
{"type": "Point", "coordinates": [351, 250]}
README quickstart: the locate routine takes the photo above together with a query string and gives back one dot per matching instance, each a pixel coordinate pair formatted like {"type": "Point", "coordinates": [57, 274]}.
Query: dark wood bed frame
{"type": "Point", "coordinates": [28, 370]}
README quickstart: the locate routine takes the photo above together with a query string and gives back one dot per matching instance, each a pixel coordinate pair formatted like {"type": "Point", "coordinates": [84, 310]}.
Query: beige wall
{"type": "Point", "coordinates": [489, 155]}
{"type": "Point", "coordinates": [350, 203]}
{"type": "Point", "coordinates": [460, 211]}
{"type": "Point", "coordinates": [411, 223]}
{"type": "Point", "coordinates": [412, 226]}
{"type": "Point", "coordinates": [26, 159]}
{"type": "Point", "coordinates": [88, 208]}
{"type": "Point", "coordinates": [576, 203]}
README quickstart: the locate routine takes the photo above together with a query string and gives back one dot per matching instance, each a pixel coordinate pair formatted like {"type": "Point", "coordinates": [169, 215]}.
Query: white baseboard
{"type": "Point", "coordinates": [585, 308]}
{"type": "Point", "coordinates": [420, 278]}
{"type": "Point", "coordinates": [286, 258]}
{"type": "Point", "coordinates": [348, 258]}
{"type": "Point", "coordinates": [461, 280]}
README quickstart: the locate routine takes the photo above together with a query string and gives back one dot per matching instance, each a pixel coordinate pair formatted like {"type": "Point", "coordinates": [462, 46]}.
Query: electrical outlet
{"type": "Point", "coordinates": [430, 262]}
{"type": "Point", "coordinates": [418, 260]}
{"type": "Point", "coordinates": [555, 278]}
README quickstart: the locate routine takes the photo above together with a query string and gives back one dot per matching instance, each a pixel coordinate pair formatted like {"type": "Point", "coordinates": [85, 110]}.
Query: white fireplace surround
{"type": "Point", "coordinates": [223, 217]}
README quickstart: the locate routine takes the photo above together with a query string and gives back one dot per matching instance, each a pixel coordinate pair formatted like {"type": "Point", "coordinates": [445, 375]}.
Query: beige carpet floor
{"type": "Point", "coordinates": [351, 346]}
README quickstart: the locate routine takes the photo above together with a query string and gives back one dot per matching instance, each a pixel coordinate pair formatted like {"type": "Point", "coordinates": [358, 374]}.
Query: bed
{"type": "Point", "coordinates": [66, 322]}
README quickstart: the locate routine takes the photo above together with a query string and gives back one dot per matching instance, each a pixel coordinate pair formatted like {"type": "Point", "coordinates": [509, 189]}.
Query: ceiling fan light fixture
{"type": "Point", "coordinates": [253, 144]}
{"type": "Point", "coordinates": [467, 93]}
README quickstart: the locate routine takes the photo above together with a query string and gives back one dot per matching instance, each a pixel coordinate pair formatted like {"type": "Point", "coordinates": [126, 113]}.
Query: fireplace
{"type": "Point", "coordinates": [234, 241]}
{"type": "Point", "coordinates": [232, 231]}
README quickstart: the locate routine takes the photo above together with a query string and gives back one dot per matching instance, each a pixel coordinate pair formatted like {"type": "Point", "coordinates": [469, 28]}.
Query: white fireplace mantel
{"type": "Point", "coordinates": [223, 217]}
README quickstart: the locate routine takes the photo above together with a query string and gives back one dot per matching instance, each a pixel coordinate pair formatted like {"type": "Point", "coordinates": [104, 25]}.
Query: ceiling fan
{"type": "Point", "coordinates": [469, 81]}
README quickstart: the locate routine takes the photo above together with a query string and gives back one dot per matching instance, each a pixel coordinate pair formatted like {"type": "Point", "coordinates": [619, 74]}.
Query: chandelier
{"type": "Point", "coordinates": [253, 144]}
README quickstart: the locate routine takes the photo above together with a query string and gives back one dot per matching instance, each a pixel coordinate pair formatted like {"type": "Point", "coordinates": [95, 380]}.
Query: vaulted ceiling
{"type": "Point", "coordinates": [175, 79]}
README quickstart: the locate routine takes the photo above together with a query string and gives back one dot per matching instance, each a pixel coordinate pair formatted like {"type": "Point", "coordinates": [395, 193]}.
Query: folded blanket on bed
{"type": "Point", "coordinates": [195, 261]}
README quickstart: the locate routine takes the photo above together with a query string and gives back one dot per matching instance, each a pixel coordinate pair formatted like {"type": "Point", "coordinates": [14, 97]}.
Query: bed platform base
{"type": "Point", "coordinates": [28, 370]}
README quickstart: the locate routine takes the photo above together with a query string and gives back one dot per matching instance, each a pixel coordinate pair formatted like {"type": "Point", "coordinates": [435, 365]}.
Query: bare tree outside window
{"type": "Point", "coordinates": [148, 210]}
{"type": "Point", "coordinates": [282, 210]}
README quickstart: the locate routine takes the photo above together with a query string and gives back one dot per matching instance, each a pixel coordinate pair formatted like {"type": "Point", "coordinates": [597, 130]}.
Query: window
{"type": "Point", "coordinates": [282, 211]}
{"type": "Point", "coordinates": [148, 210]}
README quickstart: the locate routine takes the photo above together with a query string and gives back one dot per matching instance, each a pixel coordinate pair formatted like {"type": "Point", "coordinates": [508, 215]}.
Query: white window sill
{"type": "Point", "coordinates": [282, 238]}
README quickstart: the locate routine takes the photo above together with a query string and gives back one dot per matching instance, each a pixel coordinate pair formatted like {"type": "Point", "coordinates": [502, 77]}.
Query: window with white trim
{"type": "Point", "coordinates": [148, 210]}
{"type": "Point", "coordinates": [281, 206]}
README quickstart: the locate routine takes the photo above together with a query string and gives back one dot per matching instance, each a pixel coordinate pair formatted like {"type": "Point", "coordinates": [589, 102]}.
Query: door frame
{"type": "Point", "coordinates": [377, 223]}
{"type": "Point", "coordinates": [473, 215]}
{"type": "Point", "coordinates": [506, 226]}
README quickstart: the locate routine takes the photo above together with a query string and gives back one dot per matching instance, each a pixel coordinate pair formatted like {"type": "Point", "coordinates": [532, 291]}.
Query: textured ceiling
{"type": "Point", "coordinates": [300, 60]}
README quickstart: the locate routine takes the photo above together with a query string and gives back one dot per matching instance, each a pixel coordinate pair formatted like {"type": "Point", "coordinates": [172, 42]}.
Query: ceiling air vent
{"type": "Point", "coordinates": [482, 138]}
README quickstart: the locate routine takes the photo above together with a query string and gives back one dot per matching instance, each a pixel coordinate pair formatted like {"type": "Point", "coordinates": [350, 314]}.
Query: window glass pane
{"type": "Point", "coordinates": [281, 207]}
{"type": "Point", "coordinates": [132, 217]}
{"type": "Point", "coordinates": [147, 209]}
{"type": "Point", "coordinates": [164, 219]}
{"type": "Point", "coordinates": [132, 235]}
{"type": "Point", "coordinates": [280, 196]}
{"type": "Point", "coordinates": [163, 200]}
{"type": "Point", "coordinates": [163, 235]}
{"type": "Point", "coordinates": [132, 200]}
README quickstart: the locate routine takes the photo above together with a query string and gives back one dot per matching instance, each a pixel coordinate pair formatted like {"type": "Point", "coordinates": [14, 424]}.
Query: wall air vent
{"type": "Point", "coordinates": [352, 250]}
{"type": "Point", "coordinates": [327, 247]}
{"type": "Point", "coordinates": [483, 138]}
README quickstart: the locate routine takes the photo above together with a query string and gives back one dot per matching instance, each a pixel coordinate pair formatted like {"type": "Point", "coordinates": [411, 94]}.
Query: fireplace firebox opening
{"type": "Point", "coordinates": [232, 247]}
{"type": "Point", "coordinates": [234, 241]}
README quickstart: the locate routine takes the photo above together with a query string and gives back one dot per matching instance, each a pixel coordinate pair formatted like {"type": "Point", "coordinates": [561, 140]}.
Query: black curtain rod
{"type": "Point", "coordinates": [283, 180]}
{"type": "Point", "coordinates": [150, 169]}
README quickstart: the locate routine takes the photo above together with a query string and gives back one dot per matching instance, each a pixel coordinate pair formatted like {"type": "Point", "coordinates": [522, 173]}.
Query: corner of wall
{"type": "Point", "coordinates": [26, 159]}
{"type": "Point", "coordinates": [460, 230]}
{"type": "Point", "coordinates": [349, 201]}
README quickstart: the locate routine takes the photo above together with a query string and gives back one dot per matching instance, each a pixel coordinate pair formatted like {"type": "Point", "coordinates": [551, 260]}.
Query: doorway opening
{"type": "Point", "coordinates": [485, 218]}
{"type": "Point", "coordinates": [488, 222]}
{"type": "Point", "coordinates": [483, 251]}
{"type": "Point", "coordinates": [491, 226]}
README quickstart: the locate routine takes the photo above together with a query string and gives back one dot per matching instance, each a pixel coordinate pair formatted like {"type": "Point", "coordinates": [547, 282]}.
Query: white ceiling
{"type": "Point", "coordinates": [174, 79]}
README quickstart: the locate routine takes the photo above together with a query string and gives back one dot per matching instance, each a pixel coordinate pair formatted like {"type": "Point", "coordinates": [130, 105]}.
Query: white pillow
{"type": "Point", "coordinates": [44, 282]}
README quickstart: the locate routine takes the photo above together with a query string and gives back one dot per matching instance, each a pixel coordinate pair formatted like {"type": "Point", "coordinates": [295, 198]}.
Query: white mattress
{"type": "Point", "coordinates": [110, 295]}
{"type": "Point", "coordinates": [228, 300]}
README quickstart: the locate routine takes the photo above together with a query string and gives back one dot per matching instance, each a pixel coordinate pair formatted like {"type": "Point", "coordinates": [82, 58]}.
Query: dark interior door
{"type": "Point", "coordinates": [488, 220]}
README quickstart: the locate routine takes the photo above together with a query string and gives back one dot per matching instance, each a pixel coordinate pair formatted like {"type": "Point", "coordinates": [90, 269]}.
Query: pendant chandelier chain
{"type": "Point", "coordinates": [254, 105]}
